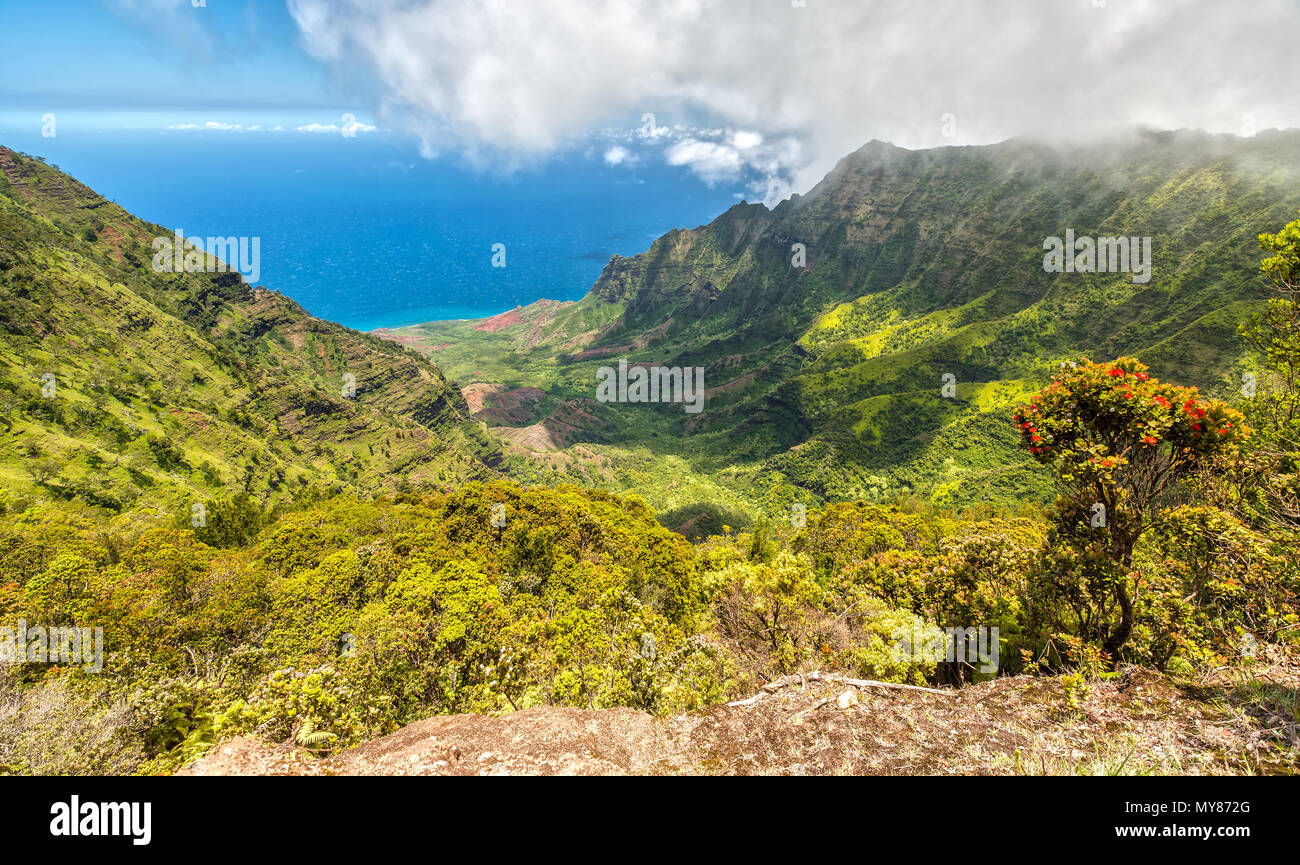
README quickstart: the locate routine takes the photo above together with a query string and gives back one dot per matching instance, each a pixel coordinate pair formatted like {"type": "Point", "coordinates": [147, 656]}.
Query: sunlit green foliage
{"type": "Point", "coordinates": [1119, 441]}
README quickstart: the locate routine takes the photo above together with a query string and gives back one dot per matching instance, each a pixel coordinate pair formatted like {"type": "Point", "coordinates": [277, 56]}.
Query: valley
{"type": "Point", "coordinates": [826, 382]}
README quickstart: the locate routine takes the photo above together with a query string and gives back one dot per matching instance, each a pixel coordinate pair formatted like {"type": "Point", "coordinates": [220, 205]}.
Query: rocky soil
{"type": "Point", "coordinates": [1140, 722]}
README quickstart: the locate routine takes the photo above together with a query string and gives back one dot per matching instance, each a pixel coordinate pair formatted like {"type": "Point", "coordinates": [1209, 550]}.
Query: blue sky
{"type": "Point", "coordinates": [119, 64]}
{"type": "Point", "coordinates": [96, 55]}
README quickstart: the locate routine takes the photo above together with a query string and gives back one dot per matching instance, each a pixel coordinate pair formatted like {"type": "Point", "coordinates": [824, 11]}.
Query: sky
{"type": "Point", "coordinates": [763, 94]}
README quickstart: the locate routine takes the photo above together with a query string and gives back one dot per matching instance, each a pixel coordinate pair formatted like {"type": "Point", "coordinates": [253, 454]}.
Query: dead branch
{"type": "Point", "coordinates": [798, 717]}
{"type": "Point", "coordinates": [803, 679]}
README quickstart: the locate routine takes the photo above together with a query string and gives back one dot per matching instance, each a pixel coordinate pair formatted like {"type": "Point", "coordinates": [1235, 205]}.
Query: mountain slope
{"type": "Point", "coordinates": [825, 382]}
{"type": "Point", "coordinates": [125, 386]}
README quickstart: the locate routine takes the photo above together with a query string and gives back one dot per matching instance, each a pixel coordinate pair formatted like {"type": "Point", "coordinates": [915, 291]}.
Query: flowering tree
{"type": "Point", "coordinates": [1119, 440]}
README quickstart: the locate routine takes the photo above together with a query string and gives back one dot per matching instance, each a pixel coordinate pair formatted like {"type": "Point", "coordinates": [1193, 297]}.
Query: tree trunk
{"type": "Point", "coordinates": [1126, 622]}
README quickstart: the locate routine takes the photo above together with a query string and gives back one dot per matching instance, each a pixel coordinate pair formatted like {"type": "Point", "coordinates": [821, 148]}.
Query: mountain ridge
{"type": "Point", "coordinates": [825, 381]}
{"type": "Point", "coordinates": [214, 384]}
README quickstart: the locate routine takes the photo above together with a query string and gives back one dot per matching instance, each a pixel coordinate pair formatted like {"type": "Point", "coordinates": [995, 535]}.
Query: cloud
{"type": "Point", "coordinates": [726, 156]}
{"type": "Point", "coordinates": [348, 129]}
{"type": "Point", "coordinates": [215, 126]}
{"type": "Point", "coordinates": [353, 126]}
{"type": "Point", "coordinates": [803, 85]}
{"type": "Point", "coordinates": [618, 155]}
{"type": "Point", "coordinates": [713, 162]}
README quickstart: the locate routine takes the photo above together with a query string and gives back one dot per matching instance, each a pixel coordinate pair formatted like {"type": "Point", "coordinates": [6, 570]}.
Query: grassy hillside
{"type": "Point", "coordinates": [825, 382]}
{"type": "Point", "coordinates": [123, 387]}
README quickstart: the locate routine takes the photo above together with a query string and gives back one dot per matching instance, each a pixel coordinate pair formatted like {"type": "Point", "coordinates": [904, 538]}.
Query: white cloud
{"type": "Point", "coordinates": [513, 81]}
{"type": "Point", "coordinates": [353, 126]}
{"type": "Point", "coordinates": [349, 129]}
{"type": "Point", "coordinates": [214, 126]}
{"type": "Point", "coordinates": [619, 155]}
{"type": "Point", "coordinates": [714, 162]}
{"type": "Point", "coordinates": [725, 156]}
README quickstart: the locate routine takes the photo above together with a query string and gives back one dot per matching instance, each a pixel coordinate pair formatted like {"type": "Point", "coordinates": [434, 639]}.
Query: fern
{"type": "Point", "coordinates": [309, 737]}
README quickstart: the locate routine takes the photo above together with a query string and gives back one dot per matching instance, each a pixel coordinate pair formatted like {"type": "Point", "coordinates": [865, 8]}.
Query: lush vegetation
{"type": "Point", "coordinates": [127, 388]}
{"type": "Point", "coordinates": [348, 618]}
{"type": "Point", "coordinates": [826, 383]}
{"type": "Point", "coordinates": [343, 605]}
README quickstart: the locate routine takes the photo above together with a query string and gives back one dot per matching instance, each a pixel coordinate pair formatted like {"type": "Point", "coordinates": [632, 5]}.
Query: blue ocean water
{"type": "Point", "coordinates": [365, 232]}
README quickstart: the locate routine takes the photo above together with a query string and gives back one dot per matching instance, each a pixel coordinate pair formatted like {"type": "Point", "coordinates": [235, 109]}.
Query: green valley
{"type": "Point", "coordinates": [826, 382]}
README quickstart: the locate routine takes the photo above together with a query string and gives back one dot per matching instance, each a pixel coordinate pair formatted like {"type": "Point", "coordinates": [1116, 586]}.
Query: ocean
{"type": "Point", "coordinates": [365, 232]}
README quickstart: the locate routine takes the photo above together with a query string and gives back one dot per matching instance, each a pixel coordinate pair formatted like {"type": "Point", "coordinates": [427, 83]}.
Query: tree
{"type": "Point", "coordinates": [1266, 486]}
{"type": "Point", "coordinates": [764, 606]}
{"type": "Point", "coordinates": [230, 522]}
{"type": "Point", "coordinates": [41, 469]}
{"type": "Point", "coordinates": [64, 592]}
{"type": "Point", "coordinates": [1119, 442]}
{"type": "Point", "coordinates": [1276, 331]}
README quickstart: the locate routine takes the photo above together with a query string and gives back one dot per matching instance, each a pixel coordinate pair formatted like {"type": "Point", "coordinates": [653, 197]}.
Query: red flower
{"type": "Point", "coordinates": [1116, 373]}
{"type": "Point", "coordinates": [1150, 440]}
{"type": "Point", "coordinates": [1142, 376]}
{"type": "Point", "coordinates": [1037, 438]}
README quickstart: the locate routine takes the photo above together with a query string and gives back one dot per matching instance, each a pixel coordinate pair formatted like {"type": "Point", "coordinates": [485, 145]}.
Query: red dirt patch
{"type": "Point", "coordinates": [496, 406]}
{"type": "Point", "coordinates": [502, 321]}
{"type": "Point", "coordinates": [413, 341]}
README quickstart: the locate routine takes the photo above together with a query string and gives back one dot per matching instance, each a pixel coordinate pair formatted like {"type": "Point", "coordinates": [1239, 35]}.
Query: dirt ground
{"type": "Point", "coordinates": [1140, 722]}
